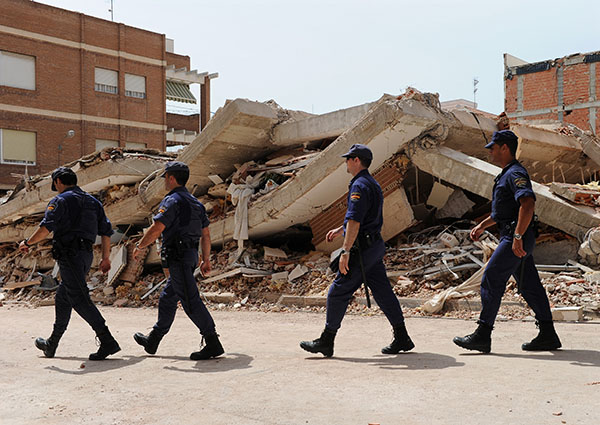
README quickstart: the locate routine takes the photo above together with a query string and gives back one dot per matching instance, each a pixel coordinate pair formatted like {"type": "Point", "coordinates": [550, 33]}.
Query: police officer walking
{"type": "Point", "coordinates": [182, 221]}
{"type": "Point", "coordinates": [362, 256]}
{"type": "Point", "coordinates": [513, 204]}
{"type": "Point", "coordinates": [76, 218]}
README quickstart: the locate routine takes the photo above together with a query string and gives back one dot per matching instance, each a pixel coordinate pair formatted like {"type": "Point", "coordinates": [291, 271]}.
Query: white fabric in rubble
{"type": "Point", "coordinates": [240, 196]}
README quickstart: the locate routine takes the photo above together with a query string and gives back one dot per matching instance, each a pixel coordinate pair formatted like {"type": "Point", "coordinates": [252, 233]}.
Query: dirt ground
{"type": "Point", "coordinates": [265, 378]}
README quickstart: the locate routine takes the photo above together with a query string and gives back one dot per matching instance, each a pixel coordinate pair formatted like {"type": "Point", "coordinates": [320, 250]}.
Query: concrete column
{"type": "Point", "coordinates": [593, 97]}
{"type": "Point", "coordinates": [204, 103]}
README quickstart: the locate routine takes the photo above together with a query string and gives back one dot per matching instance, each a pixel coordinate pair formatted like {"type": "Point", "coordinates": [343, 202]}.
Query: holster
{"type": "Point", "coordinates": [62, 249]}
{"type": "Point", "coordinates": [175, 250]}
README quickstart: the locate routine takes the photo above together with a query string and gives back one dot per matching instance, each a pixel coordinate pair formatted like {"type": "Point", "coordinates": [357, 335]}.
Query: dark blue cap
{"type": "Point", "coordinates": [503, 137]}
{"type": "Point", "coordinates": [359, 151]}
{"type": "Point", "coordinates": [175, 166]}
{"type": "Point", "coordinates": [62, 172]}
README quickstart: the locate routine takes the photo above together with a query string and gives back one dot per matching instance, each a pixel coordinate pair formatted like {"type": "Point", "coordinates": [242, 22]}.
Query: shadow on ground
{"type": "Point", "coordinates": [410, 361]}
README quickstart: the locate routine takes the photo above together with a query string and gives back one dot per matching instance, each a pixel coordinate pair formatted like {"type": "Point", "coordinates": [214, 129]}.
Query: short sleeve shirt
{"type": "Point", "coordinates": [512, 184]}
{"type": "Point", "coordinates": [365, 203]}
{"type": "Point", "coordinates": [183, 215]}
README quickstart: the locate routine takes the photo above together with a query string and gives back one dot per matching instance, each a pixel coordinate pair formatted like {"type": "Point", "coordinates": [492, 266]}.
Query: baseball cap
{"type": "Point", "coordinates": [175, 166]}
{"type": "Point", "coordinates": [359, 151]}
{"type": "Point", "coordinates": [61, 172]}
{"type": "Point", "coordinates": [503, 137]}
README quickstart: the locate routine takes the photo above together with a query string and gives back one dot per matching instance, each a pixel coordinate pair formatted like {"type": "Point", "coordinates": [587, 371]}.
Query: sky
{"type": "Point", "coordinates": [323, 55]}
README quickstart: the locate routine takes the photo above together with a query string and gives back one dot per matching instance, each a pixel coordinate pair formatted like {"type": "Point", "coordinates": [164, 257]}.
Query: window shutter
{"type": "Point", "coordinates": [17, 70]}
{"type": "Point", "coordinates": [135, 83]}
{"type": "Point", "coordinates": [107, 77]}
{"type": "Point", "coordinates": [18, 146]}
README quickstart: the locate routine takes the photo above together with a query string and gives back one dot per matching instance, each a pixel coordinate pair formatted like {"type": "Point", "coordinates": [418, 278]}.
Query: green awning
{"type": "Point", "coordinates": [179, 92]}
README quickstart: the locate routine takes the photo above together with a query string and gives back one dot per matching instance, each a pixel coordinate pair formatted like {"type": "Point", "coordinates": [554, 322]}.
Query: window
{"type": "Point", "coordinates": [101, 144]}
{"type": "Point", "coordinates": [107, 80]}
{"type": "Point", "coordinates": [135, 145]}
{"type": "Point", "coordinates": [135, 86]}
{"type": "Point", "coordinates": [17, 70]}
{"type": "Point", "coordinates": [17, 147]}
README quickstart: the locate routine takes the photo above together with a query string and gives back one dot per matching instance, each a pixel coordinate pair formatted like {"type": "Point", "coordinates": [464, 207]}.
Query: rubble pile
{"type": "Point", "coordinates": [274, 183]}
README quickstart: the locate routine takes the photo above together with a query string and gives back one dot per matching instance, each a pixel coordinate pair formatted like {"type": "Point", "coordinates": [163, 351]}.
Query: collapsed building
{"type": "Point", "coordinates": [271, 177]}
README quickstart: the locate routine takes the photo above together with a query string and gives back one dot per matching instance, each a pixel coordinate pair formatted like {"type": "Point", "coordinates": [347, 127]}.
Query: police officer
{"type": "Point", "coordinates": [513, 204]}
{"type": "Point", "coordinates": [362, 238]}
{"type": "Point", "coordinates": [76, 218]}
{"type": "Point", "coordinates": [182, 221]}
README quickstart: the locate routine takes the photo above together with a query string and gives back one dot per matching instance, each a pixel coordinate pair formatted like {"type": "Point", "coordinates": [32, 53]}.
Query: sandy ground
{"type": "Point", "coordinates": [265, 378]}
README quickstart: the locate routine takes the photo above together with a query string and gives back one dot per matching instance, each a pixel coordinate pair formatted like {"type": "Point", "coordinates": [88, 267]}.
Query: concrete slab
{"type": "Point", "coordinates": [318, 127]}
{"type": "Point", "coordinates": [107, 173]}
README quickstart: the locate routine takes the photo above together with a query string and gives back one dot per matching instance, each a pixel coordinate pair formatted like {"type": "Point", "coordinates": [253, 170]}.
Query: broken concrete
{"type": "Point", "coordinates": [386, 129]}
{"type": "Point", "coordinates": [319, 127]}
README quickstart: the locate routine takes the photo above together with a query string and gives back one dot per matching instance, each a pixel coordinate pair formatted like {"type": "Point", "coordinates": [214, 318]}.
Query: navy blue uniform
{"type": "Point", "coordinates": [365, 205]}
{"type": "Point", "coordinates": [184, 218]}
{"type": "Point", "coordinates": [76, 218]}
{"type": "Point", "coordinates": [510, 185]}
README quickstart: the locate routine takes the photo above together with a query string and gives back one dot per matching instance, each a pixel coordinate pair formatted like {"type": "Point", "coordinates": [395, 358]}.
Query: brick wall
{"type": "Point", "coordinates": [541, 92]}
{"type": "Point", "coordinates": [184, 122]}
{"type": "Point", "coordinates": [65, 78]}
{"type": "Point", "coordinates": [389, 177]}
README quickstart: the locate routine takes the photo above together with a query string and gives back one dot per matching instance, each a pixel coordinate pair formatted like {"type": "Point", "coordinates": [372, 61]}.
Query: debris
{"type": "Point", "coordinates": [568, 314]}
{"type": "Point", "coordinates": [298, 271]}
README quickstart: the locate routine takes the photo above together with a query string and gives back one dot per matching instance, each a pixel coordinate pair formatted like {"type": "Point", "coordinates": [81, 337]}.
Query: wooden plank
{"type": "Point", "coordinates": [18, 285]}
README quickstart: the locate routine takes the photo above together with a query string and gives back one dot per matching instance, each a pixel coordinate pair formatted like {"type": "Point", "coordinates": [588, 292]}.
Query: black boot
{"type": "Point", "coordinates": [48, 346]}
{"type": "Point", "coordinates": [323, 344]}
{"type": "Point", "coordinates": [401, 342]}
{"type": "Point", "coordinates": [547, 339]}
{"type": "Point", "coordinates": [150, 342]}
{"type": "Point", "coordinates": [480, 340]}
{"type": "Point", "coordinates": [213, 348]}
{"type": "Point", "coordinates": [108, 345]}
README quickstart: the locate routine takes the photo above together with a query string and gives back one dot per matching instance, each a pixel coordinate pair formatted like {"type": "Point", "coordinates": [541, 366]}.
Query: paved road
{"type": "Point", "coordinates": [265, 378]}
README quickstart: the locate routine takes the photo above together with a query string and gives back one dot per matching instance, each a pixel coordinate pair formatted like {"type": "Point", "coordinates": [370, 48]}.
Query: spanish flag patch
{"type": "Point", "coordinates": [50, 207]}
{"type": "Point", "coordinates": [162, 210]}
{"type": "Point", "coordinates": [521, 182]}
{"type": "Point", "coordinates": [354, 196]}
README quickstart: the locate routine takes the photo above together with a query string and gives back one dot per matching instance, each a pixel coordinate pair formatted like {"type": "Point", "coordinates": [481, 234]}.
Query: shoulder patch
{"type": "Point", "coordinates": [355, 196]}
{"type": "Point", "coordinates": [51, 207]}
{"type": "Point", "coordinates": [520, 182]}
{"type": "Point", "coordinates": [161, 210]}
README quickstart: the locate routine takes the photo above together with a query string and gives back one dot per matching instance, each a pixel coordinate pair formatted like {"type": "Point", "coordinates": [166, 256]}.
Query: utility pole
{"type": "Point", "coordinates": [475, 82]}
{"type": "Point", "coordinates": [111, 10]}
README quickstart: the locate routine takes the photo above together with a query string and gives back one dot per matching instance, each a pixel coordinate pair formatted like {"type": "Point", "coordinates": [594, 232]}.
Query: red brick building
{"type": "Point", "coordinates": [565, 89]}
{"type": "Point", "coordinates": [71, 84]}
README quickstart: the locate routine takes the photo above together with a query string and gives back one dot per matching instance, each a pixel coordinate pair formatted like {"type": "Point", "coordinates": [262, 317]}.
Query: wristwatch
{"type": "Point", "coordinates": [343, 251]}
{"type": "Point", "coordinates": [517, 236]}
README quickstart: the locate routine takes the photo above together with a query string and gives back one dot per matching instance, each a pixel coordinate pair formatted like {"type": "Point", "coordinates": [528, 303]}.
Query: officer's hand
{"type": "Point", "coordinates": [105, 265]}
{"type": "Point", "coordinates": [334, 233]}
{"type": "Point", "coordinates": [476, 233]}
{"type": "Point", "coordinates": [517, 247]}
{"type": "Point", "coordinates": [344, 263]}
{"type": "Point", "coordinates": [136, 253]}
{"type": "Point", "coordinates": [205, 268]}
{"type": "Point", "coordinates": [23, 247]}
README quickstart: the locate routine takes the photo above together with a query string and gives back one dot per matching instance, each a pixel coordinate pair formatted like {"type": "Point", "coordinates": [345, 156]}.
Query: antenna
{"type": "Point", "coordinates": [111, 10]}
{"type": "Point", "coordinates": [475, 82]}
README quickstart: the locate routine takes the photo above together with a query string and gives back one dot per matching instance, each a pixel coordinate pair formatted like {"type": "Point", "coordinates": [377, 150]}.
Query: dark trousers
{"type": "Point", "coordinates": [181, 286]}
{"type": "Point", "coordinates": [344, 286]}
{"type": "Point", "coordinates": [73, 293]}
{"type": "Point", "coordinates": [501, 266]}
